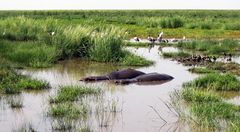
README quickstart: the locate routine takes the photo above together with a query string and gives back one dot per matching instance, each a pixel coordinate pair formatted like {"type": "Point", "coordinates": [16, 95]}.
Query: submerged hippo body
{"type": "Point", "coordinates": [121, 74]}
{"type": "Point", "coordinates": [150, 77]}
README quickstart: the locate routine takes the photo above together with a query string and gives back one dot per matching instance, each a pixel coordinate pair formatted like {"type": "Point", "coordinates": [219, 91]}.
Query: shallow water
{"type": "Point", "coordinates": [135, 100]}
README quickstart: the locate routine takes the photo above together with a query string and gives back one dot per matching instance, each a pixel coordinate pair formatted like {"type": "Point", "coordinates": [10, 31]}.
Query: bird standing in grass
{"type": "Point", "coordinates": [160, 37]}
{"type": "Point", "coordinates": [51, 33]}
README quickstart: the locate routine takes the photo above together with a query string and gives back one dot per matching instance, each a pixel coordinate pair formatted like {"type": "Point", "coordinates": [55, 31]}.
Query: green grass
{"type": "Point", "coordinates": [233, 68]}
{"type": "Point", "coordinates": [212, 47]}
{"type": "Point", "coordinates": [216, 81]}
{"type": "Point", "coordinates": [195, 95]}
{"type": "Point", "coordinates": [201, 70]}
{"type": "Point", "coordinates": [176, 54]}
{"type": "Point", "coordinates": [68, 110]}
{"type": "Point", "coordinates": [175, 23]}
{"type": "Point", "coordinates": [32, 84]}
{"type": "Point", "coordinates": [31, 43]}
{"type": "Point", "coordinates": [232, 26]}
{"type": "Point", "coordinates": [12, 83]}
{"type": "Point", "coordinates": [107, 46]}
{"type": "Point", "coordinates": [209, 110]}
{"type": "Point", "coordinates": [134, 60]}
{"type": "Point", "coordinates": [73, 93]}
{"type": "Point", "coordinates": [31, 54]}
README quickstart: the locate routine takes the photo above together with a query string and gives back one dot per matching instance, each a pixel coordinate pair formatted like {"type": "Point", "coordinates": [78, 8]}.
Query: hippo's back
{"type": "Point", "coordinates": [153, 77]}
{"type": "Point", "coordinates": [125, 74]}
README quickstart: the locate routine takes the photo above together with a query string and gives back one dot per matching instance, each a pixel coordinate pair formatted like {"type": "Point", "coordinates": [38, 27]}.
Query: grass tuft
{"type": "Point", "coordinates": [176, 54]}
{"type": "Point", "coordinates": [68, 110]}
{"type": "Point", "coordinates": [201, 70]}
{"type": "Point", "coordinates": [32, 84]}
{"type": "Point", "coordinates": [72, 93]}
{"type": "Point", "coordinates": [216, 81]}
{"type": "Point", "coordinates": [134, 60]}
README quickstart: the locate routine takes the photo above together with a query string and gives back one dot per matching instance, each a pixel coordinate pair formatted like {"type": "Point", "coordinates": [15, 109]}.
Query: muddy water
{"type": "Point", "coordinates": [136, 115]}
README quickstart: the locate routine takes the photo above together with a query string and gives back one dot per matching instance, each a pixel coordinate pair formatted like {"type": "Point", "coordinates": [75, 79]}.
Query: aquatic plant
{"type": "Point", "coordinates": [13, 83]}
{"type": "Point", "coordinates": [212, 47]}
{"type": "Point", "coordinates": [175, 54]}
{"type": "Point", "coordinates": [208, 110]}
{"type": "Point", "coordinates": [134, 60]}
{"type": "Point", "coordinates": [68, 110]}
{"type": "Point", "coordinates": [15, 102]}
{"type": "Point", "coordinates": [201, 70]}
{"type": "Point", "coordinates": [233, 68]}
{"type": "Point", "coordinates": [216, 81]}
{"type": "Point", "coordinates": [32, 84]}
{"type": "Point", "coordinates": [195, 95]}
{"type": "Point", "coordinates": [72, 93]}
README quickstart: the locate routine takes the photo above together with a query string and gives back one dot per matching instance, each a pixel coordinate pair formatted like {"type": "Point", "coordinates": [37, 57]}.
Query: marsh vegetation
{"type": "Point", "coordinates": [39, 41]}
{"type": "Point", "coordinates": [209, 110]}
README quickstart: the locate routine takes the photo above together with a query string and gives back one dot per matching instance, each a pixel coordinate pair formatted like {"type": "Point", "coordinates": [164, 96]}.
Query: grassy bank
{"type": "Point", "coordinates": [232, 68]}
{"type": "Point", "coordinates": [212, 47]}
{"type": "Point", "coordinates": [209, 110]}
{"type": "Point", "coordinates": [12, 82]}
{"type": "Point", "coordinates": [30, 42]}
{"type": "Point", "coordinates": [175, 55]}
{"type": "Point", "coordinates": [174, 23]}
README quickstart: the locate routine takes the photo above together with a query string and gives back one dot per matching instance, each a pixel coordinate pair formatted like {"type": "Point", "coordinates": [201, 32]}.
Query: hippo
{"type": "Point", "coordinates": [150, 77]}
{"type": "Point", "coordinates": [115, 75]}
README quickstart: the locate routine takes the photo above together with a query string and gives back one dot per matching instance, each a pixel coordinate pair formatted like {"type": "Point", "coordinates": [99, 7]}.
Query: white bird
{"type": "Point", "coordinates": [136, 39]}
{"type": "Point", "coordinates": [184, 38]}
{"type": "Point", "coordinates": [161, 34]}
{"type": "Point", "coordinates": [52, 33]}
{"type": "Point", "coordinates": [4, 33]}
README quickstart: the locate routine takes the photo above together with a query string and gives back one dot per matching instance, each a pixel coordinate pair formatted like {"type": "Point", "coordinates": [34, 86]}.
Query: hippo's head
{"type": "Point", "coordinates": [88, 79]}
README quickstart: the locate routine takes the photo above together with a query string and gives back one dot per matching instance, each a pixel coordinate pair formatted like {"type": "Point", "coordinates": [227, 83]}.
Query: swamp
{"type": "Point", "coordinates": [45, 54]}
